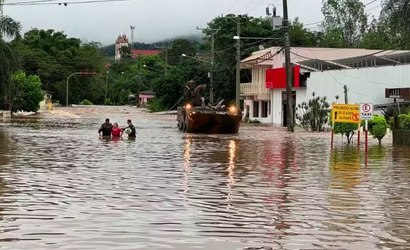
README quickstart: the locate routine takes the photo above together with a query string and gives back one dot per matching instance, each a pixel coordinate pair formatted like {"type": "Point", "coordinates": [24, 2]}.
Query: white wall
{"type": "Point", "coordinates": [364, 84]}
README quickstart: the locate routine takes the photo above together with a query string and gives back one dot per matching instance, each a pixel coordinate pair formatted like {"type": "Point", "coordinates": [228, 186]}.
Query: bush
{"type": "Point", "coordinates": [106, 102]}
{"type": "Point", "coordinates": [86, 102]}
{"type": "Point", "coordinates": [155, 105]}
{"type": "Point", "coordinates": [378, 127]}
{"type": "Point", "coordinates": [313, 114]}
{"type": "Point", "coordinates": [25, 92]}
{"type": "Point", "coordinates": [346, 129]}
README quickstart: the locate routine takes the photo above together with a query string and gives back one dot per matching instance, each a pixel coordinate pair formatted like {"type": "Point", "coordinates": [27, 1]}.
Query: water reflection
{"type": "Point", "coordinates": [231, 169]}
{"type": "Point", "coordinates": [260, 189]}
{"type": "Point", "coordinates": [187, 162]}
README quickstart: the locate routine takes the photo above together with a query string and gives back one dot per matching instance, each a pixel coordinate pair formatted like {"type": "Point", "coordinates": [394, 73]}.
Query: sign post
{"type": "Point", "coordinates": [344, 113]}
{"type": "Point", "coordinates": [366, 110]}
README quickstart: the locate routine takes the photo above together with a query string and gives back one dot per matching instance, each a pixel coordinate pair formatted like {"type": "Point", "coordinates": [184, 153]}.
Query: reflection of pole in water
{"type": "Point", "coordinates": [231, 168]}
{"type": "Point", "coordinates": [187, 163]}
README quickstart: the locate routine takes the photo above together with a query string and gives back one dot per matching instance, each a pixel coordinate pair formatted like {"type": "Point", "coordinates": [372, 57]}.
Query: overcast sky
{"type": "Point", "coordinates": [154, 20]}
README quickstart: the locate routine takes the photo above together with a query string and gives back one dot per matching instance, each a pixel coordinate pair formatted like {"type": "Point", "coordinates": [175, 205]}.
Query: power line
{"type": "Point", "coordinates": [50, 2]}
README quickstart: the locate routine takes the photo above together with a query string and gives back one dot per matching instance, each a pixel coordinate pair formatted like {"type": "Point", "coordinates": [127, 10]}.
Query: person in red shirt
{"type": "Point", "coordinates": [116, 131]}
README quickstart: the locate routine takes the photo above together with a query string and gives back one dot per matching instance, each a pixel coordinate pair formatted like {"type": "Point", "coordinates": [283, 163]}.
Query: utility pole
{"type": "Point", "coordinates": [238, 62]}
{"type": "Point", "coordinates": [106, 85]}
{"type": "Point", "coordinates": [132, 37]}
{"type": "Point", "coordinates": [166, 61]}
{"type": "Point", "coordinates": [289, 95]}
{"type": "Point", "coordinates": [211, 72]}
{"type": "Point", "coordinates": [345, 91]}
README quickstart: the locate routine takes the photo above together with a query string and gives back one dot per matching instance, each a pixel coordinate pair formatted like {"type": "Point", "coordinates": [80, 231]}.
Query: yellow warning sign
{"type": "Point", "coordinates": [348, 113]}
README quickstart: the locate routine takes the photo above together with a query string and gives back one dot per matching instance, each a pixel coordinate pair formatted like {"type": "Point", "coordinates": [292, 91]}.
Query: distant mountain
{"type": "Point", "coordinates": [109, 50]}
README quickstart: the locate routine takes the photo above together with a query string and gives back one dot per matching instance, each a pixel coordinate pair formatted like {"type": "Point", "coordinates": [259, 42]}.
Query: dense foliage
{"type": "Point", "coordinates": [378, 127]}
{"type": "Point", "coordinates": [54, 57]}
{"type": "Point", "coordinates": [313, 114]}
{"type": "Point", "coordinates": [24, 92]}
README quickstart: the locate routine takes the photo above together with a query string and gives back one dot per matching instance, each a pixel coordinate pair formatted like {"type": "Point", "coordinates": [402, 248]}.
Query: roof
{"type": "Point", "coordinates": [319, 59]}
{"type": "Point", "coordinates": [139, 52]}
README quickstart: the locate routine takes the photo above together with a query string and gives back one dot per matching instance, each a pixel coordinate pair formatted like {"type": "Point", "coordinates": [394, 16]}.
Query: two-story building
{"type": "Point", "coordinates": [324, 71]}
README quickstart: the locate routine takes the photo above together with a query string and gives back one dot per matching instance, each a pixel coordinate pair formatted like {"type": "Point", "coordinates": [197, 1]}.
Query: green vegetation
{"type": "Point", "coordinates": [347, 129]}
{"type": "Point", "coordinates": [313, 114]}
{"type": "Point", "coordinates": [378, 127]}
{"type": "Point", "coordinates": [53, 56]}
{"type": "Point", "coordinates": [86, 102]}
{"type": "Point", "coordinates": [24, 92]}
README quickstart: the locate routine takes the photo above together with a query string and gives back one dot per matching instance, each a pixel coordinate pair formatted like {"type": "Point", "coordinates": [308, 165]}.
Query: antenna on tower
{"type": "Point", "coordinates": [132, 35]}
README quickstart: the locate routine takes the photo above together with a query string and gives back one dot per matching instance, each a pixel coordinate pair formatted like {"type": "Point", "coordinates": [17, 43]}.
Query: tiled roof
{"type": "Point", "coordinates": [137, 52]}
{"type": "Point", "coordinates": [326, 58]}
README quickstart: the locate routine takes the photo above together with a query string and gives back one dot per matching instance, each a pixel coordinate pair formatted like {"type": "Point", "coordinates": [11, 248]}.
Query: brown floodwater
{"type": "Point", "coordinates": [62, 187]}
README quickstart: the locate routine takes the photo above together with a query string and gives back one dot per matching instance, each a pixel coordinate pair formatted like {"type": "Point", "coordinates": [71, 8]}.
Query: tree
{"type": "Point", "coordinates": [53, 57]}
{"type": "Point", "coordinates": [346, 20]}
{"type": "Point", "coordinates": [396, 14]}
{"type": "Point", "coordinates": [9, 26]}
{"type": "Point", "coordinates": [313, 114]}
{"type": "Point", "coordinates": [378, 35]}
{"type": "Point", "coordinates": [346, 129]}
{"type": "Point", "coordinates": [378, 127]}
{"type": "Point", "coordinates": [8, 59]}
{"type": "Point", "coordinates": [301, 36]}
{"type": "Point", "coordinates": [225, 46]}
{"type": "Point", "coordinates": [24, 93]}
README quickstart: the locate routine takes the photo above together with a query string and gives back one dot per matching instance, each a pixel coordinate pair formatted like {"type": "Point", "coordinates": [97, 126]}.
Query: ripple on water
{"type": "Point", "coordinates": [61, 187]}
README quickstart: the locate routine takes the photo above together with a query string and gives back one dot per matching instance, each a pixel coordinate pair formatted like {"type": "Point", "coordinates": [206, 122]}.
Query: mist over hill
{"type": "Point", "coordinates": [109, 50]}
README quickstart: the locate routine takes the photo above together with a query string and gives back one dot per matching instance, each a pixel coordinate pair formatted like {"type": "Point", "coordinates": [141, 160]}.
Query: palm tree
{"type": "Point", "coordinates": [9, 27]}
{"type": "Point", "coordinates": [8, 59]}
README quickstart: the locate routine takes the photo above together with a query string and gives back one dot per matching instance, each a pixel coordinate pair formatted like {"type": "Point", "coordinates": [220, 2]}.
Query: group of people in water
{"type": "Point", "coordinates": [113, 130]}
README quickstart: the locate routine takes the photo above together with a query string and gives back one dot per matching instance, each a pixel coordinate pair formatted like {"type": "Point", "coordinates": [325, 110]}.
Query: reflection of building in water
{"type": "Point", "coordinates": [279, 162]}
{"type": "Point", "coordinates": [187, 162]}
{"type": "Point", "coordinates": [231, 169]}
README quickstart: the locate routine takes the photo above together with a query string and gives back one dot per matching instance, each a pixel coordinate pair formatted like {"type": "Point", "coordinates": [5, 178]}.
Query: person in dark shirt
{"type": "Point", "coordinates": [131, 129]}
{"type": "Point", "coordinates": [106, 128]}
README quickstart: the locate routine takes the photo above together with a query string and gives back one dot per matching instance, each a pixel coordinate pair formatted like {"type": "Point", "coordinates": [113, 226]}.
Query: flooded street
{"type": "Point", "coordinates": [62, 187]}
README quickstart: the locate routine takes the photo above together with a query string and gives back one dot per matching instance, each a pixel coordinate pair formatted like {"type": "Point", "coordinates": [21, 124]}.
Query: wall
{"type": "Point", "coordinates": [364, 84]}
{"type": "Point", "coordinates": [401, 137]}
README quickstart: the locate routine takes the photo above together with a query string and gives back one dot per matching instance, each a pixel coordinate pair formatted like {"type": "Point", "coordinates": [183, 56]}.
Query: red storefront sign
{"type": "Point", "coordinates": [276, 78]}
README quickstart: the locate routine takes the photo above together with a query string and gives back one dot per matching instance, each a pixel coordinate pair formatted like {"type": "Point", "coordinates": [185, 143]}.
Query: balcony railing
{"type": "Point", "coordinates": [254, 88]}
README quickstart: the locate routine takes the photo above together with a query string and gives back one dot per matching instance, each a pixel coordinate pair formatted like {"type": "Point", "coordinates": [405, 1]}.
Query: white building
{"type": "Point", "coordinates": [325, 71]}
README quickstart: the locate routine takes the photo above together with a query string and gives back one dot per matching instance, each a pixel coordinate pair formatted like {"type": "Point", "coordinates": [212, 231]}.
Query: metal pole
{"type": "Point", "coordinates": [66, 94]}
{"type": "Point", "coordinates": [211, 73]}
{"type": "Point", "coordinates": [346, 97]}
{"type": "Point", "coordinates": [106, 86]}
{"type": "Point", "coordinates": [166, 61]}
{"type": "Point", "coordinates": [238, 62]}
{"type": "Point", "coordinates": [289, 98]}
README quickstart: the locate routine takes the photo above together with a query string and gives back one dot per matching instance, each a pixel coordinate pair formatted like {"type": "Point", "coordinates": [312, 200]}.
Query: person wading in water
{"type": "Point", "coordinates": [105, 129]}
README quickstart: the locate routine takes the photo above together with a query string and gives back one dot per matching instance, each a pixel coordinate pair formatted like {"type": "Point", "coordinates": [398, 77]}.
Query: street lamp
{"type": "Point", "coordinates": [66, 94]}
{"type": "Point", "coordinates": [75, 73]}
{"type": "Point", "coordinates": [145, 66]}
{"type": "Point", "coordinates": [195, 58]}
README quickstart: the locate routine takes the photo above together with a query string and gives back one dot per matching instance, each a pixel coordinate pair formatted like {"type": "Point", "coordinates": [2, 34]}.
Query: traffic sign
{"type": "Point", "coordinates": [366, 111]}
{"type": "Point", "coordinates": [348, 113]}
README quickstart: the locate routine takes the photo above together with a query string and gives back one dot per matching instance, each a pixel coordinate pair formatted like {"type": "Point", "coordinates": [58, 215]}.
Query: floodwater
{"type": "Point", "coordinates": [61, 187]}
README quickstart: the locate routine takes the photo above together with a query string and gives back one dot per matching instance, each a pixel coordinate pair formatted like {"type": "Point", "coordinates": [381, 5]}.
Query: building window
{"type": "Point", "coordinates": [255, 109]}
{"type": "Point", "coordinates": [265, 109]}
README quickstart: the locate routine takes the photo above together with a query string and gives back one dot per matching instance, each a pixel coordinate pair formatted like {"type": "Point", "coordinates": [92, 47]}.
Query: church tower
{"type": "Point", "coordinates": [122, 41]}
